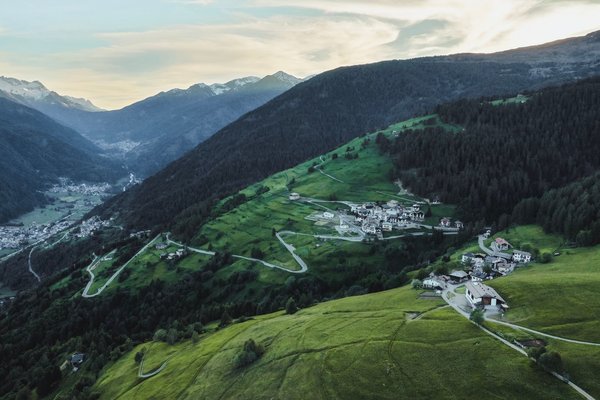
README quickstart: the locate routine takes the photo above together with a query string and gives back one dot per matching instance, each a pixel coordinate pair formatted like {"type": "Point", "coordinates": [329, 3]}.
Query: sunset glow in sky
{"type": "Point", "coordinates": [117, 52]}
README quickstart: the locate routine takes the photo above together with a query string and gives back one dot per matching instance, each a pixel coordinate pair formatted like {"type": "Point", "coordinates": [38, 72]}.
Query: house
{"type": "Point", "coordinates": [459, 225]}
{"type": "Point", "coordinates": [445, 222]}
{"type": "Point", "coordinates": [480, 295]}
{"type": "Point", "coordinates": [76, 360]}
{"type": "Point", "coordinates": [433, 282]}
{"type": "Point", "coordinates": [521, 256]}
{"type": "Point", "coordinates": [476, 260]}
{"type": "Point", "coordinates": [328, 215]}
{"type": "Point", "coordinates": [458, 276]}
{"type": "Point", "coordinates": [294, 196]}
{"type": "Point", "coordinates": [506, 268]}
{"type": "Point", "coordinates": [160, 246]}
{"type": "Point", "coordinates": [386, 226]}
{"type": "Point", "coordinates": [369, 228]}
{"type": "Point", "coordinates": [416, 207]}
{"type": "Point", "coordinates": [502, 244]}
{"type": "Point", "coordinates": [392, 203]}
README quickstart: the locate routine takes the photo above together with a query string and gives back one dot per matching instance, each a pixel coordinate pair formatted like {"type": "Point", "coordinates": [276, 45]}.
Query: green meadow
{"type": "Point", "coordinates": [387, 345]}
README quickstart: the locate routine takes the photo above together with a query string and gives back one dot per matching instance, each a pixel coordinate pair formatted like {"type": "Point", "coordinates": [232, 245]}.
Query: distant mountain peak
{"type": "Point", "coordinates": [285, 77]}
{"type": "Point", "coordinates": [35, 93]}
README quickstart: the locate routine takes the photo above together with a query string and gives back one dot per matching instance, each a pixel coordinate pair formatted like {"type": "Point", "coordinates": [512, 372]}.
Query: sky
{"type": "Point", "coordinates": [116, 52]}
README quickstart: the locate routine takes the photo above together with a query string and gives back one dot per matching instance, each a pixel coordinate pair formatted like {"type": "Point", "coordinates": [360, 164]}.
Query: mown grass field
{"type": "Point", "coordinates": [581, 362]}
{"type": "Point", "coordinates": [559, 298]}
{"type": "Point", "coordinates": [364, 347]}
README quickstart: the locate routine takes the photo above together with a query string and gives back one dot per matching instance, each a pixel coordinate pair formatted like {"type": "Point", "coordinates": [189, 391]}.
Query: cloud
{"type": "Point", "coordinates": [180, 56]}
{"type": "Point", "coordinates": [302, 37]}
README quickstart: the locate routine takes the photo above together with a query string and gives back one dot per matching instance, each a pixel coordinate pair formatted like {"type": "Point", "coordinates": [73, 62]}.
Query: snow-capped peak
{"type": "Point", "coordinates": [220, 88]}
{"type": "Point", "coordinates": [30, 90]}
{"type": "Point", "coordinates": [31, 93]}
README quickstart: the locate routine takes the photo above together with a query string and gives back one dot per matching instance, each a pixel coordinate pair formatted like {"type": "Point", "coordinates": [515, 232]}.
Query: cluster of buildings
{"type": "Point", "coordinates": [66, 186]}
{"type": "Point", "coordinates": [17, 237]}
{"type": "Point", "coordinates": [374, 218]}
{"type": "Point", "coordinates": [89, 226]}
{"type": "Point", "coordinates": [171, 256]}
{"type": "Point", "coordinates": [447, 223]}
{"type": "Point", "coordinates": [496, 262]}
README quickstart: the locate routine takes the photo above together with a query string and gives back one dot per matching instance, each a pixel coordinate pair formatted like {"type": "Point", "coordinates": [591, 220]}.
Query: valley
{"type": "Point", "coordinates": [420, 228]}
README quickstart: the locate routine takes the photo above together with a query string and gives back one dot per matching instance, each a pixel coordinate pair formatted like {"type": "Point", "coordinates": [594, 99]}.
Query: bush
{"type": "Point", "coordinates": [225, 319]}
{"type": "Point", "coordinates": [250, 353]}
{"type": "Point", "coordinates": [551, 362]}
{"type": "Point", "coordinates": [545, 258]}
{"type": "Point", "coordinates": [139, 356]}
{"type": "Point", "coordinates": [536, 352]}
{"type": "Point", "coordinates": [290, 306]}
{"type": "Point", "coordinates": [477, 316]}
{"type": "Point", "coordinates": [416, 284]}
{"type": "Point", "coordinates": [160, 335]}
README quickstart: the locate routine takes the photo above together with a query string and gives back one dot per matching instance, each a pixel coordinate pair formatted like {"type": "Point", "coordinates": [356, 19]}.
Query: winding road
{"type": "Point", "coordinates": [318, 168]}
{"type": "Point", "coordinates": [91, 267]}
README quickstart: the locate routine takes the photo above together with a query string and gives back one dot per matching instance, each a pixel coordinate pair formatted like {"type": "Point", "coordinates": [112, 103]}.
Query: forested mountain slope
{"type": "Point", "coordinates": [328, 110]}
{"type": "Point", "coordinates": [506, 152]}
{"type": "Point", "coordinates": [35, 151]}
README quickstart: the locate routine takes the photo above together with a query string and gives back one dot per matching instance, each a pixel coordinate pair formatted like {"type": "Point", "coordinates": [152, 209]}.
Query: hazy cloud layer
{"type": "Point", "coordinates": [116, 66]}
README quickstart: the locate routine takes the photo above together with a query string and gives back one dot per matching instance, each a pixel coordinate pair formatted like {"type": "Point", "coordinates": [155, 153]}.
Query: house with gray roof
{"type": "Point", "coordinates": [481, 295]}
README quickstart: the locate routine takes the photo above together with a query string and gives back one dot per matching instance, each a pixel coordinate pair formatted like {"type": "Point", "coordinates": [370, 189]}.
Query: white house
{"type": "Point", "coordinates": [369, 228]}
{"type": "Point", "coordinates": [392, 203]}
{"type": "Point", "coordinates": [433, 282]}
{"type": "Point", "coordinates": [521, 256]}
{"type": "Point", "coordinates": [458, 224]}
{"type": "Point", "coordinates": [387, 226]}
{"type": "Point", "coordinates": [445, 222]}
{"type": "Point", "coordinates": [480, 295]}
{"type": "Point", "coordinates": [294, 196]}
{"type": "Point", "coordinates": [328, 215]}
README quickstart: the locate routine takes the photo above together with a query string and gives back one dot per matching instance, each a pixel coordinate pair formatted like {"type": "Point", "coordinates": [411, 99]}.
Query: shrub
{"type": "Point", "coordinates": [160, 335]}
{"type": "Point", "coordinates": [477, 316]}
{"type": "Point", "coordinates": [290, 306]}
{"type": "Point", "coordinates": [250, 353]}
{"type": "Point", "coordinates": [551, 362]}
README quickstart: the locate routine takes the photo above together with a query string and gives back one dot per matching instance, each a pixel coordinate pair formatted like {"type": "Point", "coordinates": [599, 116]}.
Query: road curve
{"type": "Point", "coordinates": [114, 276]}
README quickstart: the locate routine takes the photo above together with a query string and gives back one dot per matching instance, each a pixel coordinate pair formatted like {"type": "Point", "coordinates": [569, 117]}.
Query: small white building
{"type": "Point", "coordinates": [387, 226]}
{"type": "Point", "coordinates": [392, 203]}
{"type": "Point", "coordinates": [459, 225]}
{"type": "Point", "coordinates": [328, 215]}
{"type": "Point", "coordinates": [294, 196]}
{"type": "Point", "coordinates": [480, 295]}
{"type": "Point", "coordinates": [521, 256]}
{"type": "Point", "coordinates": [445, 222]}
{"type": "Point", "coordinates": [433, 282]}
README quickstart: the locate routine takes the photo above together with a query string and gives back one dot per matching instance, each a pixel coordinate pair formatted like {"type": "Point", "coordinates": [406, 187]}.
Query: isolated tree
{"type": "Point", "coordinates": [195, 337]}
{"type": "Point", "coordinates": [172, 336]}
{"type": "Point", "coordinates": [477, 316]}
{"type": "Point", "coordinates": [545, 258]}
{"type": "Point", "coordinates": [290, 306]}
{"type": "Point", "coordinates": [416, 284]}
{"type": "Point", "coordinates": [551, 362]}
{"type": "Point", "coordinates": [536, 352]}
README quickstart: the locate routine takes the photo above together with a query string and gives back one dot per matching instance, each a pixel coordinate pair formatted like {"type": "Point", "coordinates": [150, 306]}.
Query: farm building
{"type": "Point", "coordinates": [433, 282]}
{"type": "Point", "coordinates": [294, 196]}
{"type": "Point", "coordinates": [521, 256]}
{"type": "Point", "coordinates": [458, 276]}
{"type": "Point", "coordinates": [502, 244]}
{"type": "Point", "coordinates": [478, 295]}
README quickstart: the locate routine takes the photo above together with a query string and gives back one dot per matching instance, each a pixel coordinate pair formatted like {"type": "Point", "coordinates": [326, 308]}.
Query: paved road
{"type": "Point", "coordinates": [489, 251]}
{"type": "Point", "coordinates": [563, 339]}
{"type": "Point", "coordinates": [30, 266]}
{"type": "Point", "coordinates": [303, 265]}
{"type": "Point", "coordinates": [454, 302]}
{"type": "Point", "coordinates": [90, 268]}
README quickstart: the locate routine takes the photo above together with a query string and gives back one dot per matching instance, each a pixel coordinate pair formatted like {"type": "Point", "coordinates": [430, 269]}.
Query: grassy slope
{"type": "Point", "coordinates": [366, 178]}
{"type": "Point", "coordinates": [359, 347]}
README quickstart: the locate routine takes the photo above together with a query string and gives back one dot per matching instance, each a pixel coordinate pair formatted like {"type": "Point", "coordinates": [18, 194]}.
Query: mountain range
{"type": "Point", "coordinates": [150, 133]}
{"type": "Point", "coordinates": [334, 107]}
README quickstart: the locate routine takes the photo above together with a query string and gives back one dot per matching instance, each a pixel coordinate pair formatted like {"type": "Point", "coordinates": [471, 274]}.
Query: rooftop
{"type": "Point", "coordinates": [480, 290]}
